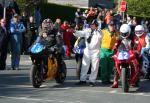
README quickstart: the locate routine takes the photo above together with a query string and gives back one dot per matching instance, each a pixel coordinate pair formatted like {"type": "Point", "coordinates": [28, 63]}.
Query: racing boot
{"type": "Point", "coordinates": [116, 83]}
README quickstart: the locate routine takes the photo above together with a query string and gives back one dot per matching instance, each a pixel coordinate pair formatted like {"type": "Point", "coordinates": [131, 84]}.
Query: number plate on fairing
{"type": "Point", "coordinates": [123, 55]}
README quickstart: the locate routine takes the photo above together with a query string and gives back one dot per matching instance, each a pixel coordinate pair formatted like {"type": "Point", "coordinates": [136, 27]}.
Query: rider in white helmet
{"type": "Point", "coordinates": [125, 31]}
{"type": "Point", "coordinates": [125, 39]}
{"type": "Point", "coordinates": [123, 42]}
{"type": "Point", "coordinates": [142, 40]}
{"type": "Point", "coordinates": [139, 40]}
{"type": "Point", "coordinates": [141, 34]}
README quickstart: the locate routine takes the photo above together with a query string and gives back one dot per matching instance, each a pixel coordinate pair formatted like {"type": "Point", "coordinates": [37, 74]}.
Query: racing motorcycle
{"type": "Point", "coordinates": [47, 63]}
{"type": "Point", "coordinates": [126, 62]}
{"type": "Point", "coordinates": [78, 50]}
{"type": "Point", "coordinates": [146, 62]}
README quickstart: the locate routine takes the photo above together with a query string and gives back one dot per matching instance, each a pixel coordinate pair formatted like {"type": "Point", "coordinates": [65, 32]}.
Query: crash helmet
{"type": "Point", "coordinates": [125, 31]}
{"type": "Point", "coordinates": [47, 25]}
{"type": "Point", "coordinates": [139, 30]}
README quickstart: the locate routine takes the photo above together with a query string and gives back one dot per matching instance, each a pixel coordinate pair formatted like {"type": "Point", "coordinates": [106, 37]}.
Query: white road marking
{"type": "Point", "coordinates": [66, 88]}
{"type": "Point", "coordinates": [113, 91]}
{"type": "Point", "coordinates": [38, 99]}
{"type": "Point", "coordinates": [23, 86]}
{"type": "Point", "coordinates": [118, 93]}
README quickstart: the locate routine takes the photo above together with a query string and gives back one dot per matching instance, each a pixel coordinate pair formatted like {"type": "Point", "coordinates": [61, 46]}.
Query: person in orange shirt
{"type": "Point", "coordinates": [91, 15]}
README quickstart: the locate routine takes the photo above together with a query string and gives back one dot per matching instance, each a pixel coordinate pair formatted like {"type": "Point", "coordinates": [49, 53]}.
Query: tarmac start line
{"type": "Point", "coordinates": [37, 99]}
{"type": "Point", "coordinates": [62, 101]}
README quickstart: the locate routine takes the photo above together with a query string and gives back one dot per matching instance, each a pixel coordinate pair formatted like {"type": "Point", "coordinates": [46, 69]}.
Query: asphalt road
{"type": "Point", "coordinates": [15, 87]}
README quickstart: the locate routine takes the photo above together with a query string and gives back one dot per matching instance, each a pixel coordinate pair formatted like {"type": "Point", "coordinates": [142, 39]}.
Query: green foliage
{"type": "Point", "coordinates": [53, 11]}
{"type": "Point", "coordinates": [21, 4]}
{"type": "Point", "coordinates": [140, 8]}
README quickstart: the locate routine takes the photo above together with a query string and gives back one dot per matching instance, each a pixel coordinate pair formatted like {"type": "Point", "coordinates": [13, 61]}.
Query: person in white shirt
{"type": "Point", "coordinates": [93, 37]}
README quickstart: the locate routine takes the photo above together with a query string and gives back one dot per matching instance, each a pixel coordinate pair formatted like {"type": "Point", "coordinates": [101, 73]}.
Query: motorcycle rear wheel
{"type": "Point", "coordinates": [35, 77]}
{"type": "Point", "coordinates": [61, 73]}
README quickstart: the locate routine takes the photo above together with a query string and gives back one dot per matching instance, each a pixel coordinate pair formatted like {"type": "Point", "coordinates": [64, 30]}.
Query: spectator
{"type": "Point", "coordinates": [3, 44]}
{"type": "Point", "coordinates": [146, 26]}
{"type": "Point", "coordinates": [85, 14]}
{"type": "Point", "coordinates": [66, 37]}
{"type": "Point", "coordinates": [108, 17]}
{"type": "Point", "coordinates": [37, 16]}
{"type": "Point", "coordinates": [16, 29]}
{"type": "Point", "coordinates": [24, 20]}
{"type": "Point", "coordinates": [78, 16]}
{"type": "Point", "coordinates": [103, 23]}
{"type": "Point", "coordinates": [117, 20]}
{"type": "Point", "coordinates": [93, 38]}
{"type": "Point", "coordinates": [100, 20]}
{"type": "Point", "coordinates": [133, 25]}
{"type": "Point", "coordinates": [32, 30]}
{"type": "Point", "coordinates": [142, 22]}
{"type": "Point", "coordinates": [85, 25]}
{"type": "Point", "coordinates": [106, 60]}
{"type": "Point", "coordinates": [128, 18]}
{"type": "Point", "coordinates": [111, 12]}
{"type": "Point", "coordinates": [57, 25]}
{"type": "Point", "coordinates": [91, 15]}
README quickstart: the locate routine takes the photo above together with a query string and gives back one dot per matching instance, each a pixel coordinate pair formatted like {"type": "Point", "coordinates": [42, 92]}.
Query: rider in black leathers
{"type": "Point", "coordinates": [54, 40]}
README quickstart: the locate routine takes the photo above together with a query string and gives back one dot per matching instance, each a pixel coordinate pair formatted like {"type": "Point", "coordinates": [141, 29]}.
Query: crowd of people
{"type": "Point", "coordinates": [103, 31]}
{"type": "Point", "coordinates": [115, 33]}
{"type": "Point", "coordinates": [18, 32]}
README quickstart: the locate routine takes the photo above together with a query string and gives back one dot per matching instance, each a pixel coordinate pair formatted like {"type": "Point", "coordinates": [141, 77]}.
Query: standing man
{"type": "Point", "coordinates": [93, 38]}
{"type": "Point", "coordinates": [16, 29]}
{"type": "Point", "coordinates": [106, 60]}
{"type": "Point", "coordinates": [57, 25]}
{"type": "Point", "coordinates": [32, 30]}
{"type": "Point", "coordinates": [3, 44]}
{"type": "Point", "coordinates": [37, 16]}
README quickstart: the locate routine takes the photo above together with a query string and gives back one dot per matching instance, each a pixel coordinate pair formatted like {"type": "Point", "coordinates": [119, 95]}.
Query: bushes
{"type": "Point", "coordinates": [139, 8]}
{"type": "Point", "coordinates": [21, 4]}
{"type": "Point", "coordinates": [54, 11]}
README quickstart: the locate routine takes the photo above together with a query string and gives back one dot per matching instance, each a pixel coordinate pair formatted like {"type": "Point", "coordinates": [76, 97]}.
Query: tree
{"type": "Point", "coordinates": [138, 8]}
{"type": "Point", "coordinates": [21, 4]}
{"type": "Point", "coordinates": [29, 5]}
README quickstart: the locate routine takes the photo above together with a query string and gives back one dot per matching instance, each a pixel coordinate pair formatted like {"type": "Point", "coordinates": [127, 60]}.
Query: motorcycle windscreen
{"type": "Point", "coordinates": [37, 48]}
{"type": "Point", "coordinates": [123, 55]}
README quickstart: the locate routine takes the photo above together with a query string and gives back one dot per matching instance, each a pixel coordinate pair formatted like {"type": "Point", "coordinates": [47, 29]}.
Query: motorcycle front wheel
{"type": "Point", "coordinates": [124, 79]}
{"type": "Point", "coordinates": [78, 69]}
{"type": "Point", "coordinates": [35, 76]}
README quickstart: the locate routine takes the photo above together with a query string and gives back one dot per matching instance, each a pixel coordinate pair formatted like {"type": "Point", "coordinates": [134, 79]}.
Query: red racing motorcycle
{"type": "Point", "coordinates": [127, 68]}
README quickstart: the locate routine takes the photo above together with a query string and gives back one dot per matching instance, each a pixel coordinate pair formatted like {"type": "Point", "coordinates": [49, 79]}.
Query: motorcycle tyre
{"type": "Point", "coordinates": [124, 79]}
{"type": "Point", "coordinates": [61, 75]}
{"type": "Point", "coordinates": [78, 70]}
{"type": "Point", "coordinates": [33, 73]}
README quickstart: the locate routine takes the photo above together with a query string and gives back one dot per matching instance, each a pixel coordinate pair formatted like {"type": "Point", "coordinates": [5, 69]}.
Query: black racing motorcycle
{"type": "Point", "coordinates": [47, 63]}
